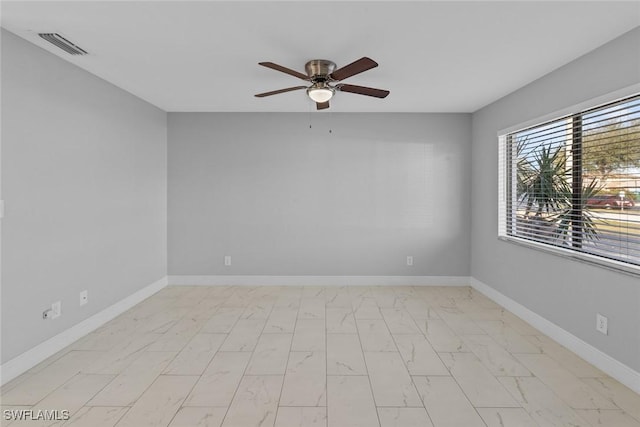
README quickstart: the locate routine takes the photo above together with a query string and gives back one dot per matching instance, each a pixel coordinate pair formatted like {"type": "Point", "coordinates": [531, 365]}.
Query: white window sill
{"type": "Point", "coordinates": [610, 264]}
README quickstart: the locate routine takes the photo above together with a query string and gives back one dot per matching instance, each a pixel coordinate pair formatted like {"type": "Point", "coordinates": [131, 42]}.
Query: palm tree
{"type": "Point", "coordinates": [578, 222]}
{"type": "Point", "coordinates": [544, 187]}
{"type": "Point", "coordinates": [542, 183]}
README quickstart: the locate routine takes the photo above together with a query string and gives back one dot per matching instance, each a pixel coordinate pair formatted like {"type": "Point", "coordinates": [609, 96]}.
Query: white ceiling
{"type": "Point", "coordinates": [449, 56]}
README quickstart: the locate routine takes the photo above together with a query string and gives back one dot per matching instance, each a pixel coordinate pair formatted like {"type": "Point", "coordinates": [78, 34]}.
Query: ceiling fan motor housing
{"type": "Point", "coordinates": [319, 69]}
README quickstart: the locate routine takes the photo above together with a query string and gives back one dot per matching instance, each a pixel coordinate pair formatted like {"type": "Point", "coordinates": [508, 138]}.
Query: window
{"type": "Point", "coordinates": [573, 183]}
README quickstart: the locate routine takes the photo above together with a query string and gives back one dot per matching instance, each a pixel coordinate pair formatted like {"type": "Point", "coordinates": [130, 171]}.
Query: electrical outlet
{"type": "Point", "coordinates": [227, 260]}
{"type": "Point", "coordinates": [409, 260]}
{"type": "Point", "coordinates": [601, 323]}
{"type": "Point", "coordinates": [84, 297]}
{"type": "Point", "coordinates": [56, 309]}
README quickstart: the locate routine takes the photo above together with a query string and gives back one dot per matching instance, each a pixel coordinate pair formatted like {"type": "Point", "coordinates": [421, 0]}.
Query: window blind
{"type": "Point", "coordinates": [574, 182]}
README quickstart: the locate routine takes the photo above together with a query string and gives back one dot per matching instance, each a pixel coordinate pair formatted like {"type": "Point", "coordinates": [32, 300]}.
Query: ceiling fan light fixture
{"type": "Point", "coordinates": [320, 93]}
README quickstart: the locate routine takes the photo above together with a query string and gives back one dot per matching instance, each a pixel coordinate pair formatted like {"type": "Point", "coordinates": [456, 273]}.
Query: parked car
{"type": "Point", "coordinates": [609, 201]}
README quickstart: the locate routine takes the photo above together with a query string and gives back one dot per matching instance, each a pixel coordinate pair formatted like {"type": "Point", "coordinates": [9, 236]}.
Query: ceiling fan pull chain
{"type": "Point", "coordinates": [330, 121]}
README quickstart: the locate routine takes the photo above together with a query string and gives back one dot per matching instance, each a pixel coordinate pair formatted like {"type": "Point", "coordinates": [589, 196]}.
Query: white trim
{"type": "Point", "coordinates": [606, 363]}
{"type": "Point", "coordinates": [602, 361]}
{"type": "Point", "coordinates": [587, 258]}
{"type": "Point", "coordinates": [573, 109]}
{"type": "Point", "coordinates": [37, 354]}
{"type": "Point", "coordinates": [321, 280]}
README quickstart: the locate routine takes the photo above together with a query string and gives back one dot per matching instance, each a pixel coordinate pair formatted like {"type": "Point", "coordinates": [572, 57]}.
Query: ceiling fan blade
{"type": "Point", "coordinates": [275, 92]}
{"type": "Point", "coordinates": [284, 70]}
{"type": "Point", "coordinates": [356, 67]}
{"type": "Point", "coordinates": [361, 90]}
{"type": "Point", "coordinates": [322, 105]}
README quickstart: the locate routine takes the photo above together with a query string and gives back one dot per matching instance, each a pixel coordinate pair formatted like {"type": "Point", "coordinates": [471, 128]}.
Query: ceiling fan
{"type": "Point", "coordinates": [322, 73]}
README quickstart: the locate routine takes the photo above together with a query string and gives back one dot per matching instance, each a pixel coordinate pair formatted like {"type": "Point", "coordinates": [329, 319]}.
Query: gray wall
{"type": "Point", "coordinates": [84, 180]}
{"type": "Point", "coordinates": [566, 292]}
{"type": "Point", "coordinates": [285, 199]}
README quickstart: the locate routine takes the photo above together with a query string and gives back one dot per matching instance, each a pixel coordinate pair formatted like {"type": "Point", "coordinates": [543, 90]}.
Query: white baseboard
{"type": "Point", "coordinates": [602, 361]}
{"type": "Point", "coordinates": [321, 280]}
{"type": "Point", "coordinates": [37, 354]}
{"type": "Point", "coordinates": [606, 363]}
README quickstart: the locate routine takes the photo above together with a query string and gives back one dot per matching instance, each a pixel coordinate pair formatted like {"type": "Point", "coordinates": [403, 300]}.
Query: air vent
{"type": "Point", "coordinates": [64, 44]}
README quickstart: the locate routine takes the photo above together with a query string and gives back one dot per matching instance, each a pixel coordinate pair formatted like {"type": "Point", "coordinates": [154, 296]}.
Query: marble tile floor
{"type": "Point", "coordinates": [319, 357]}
